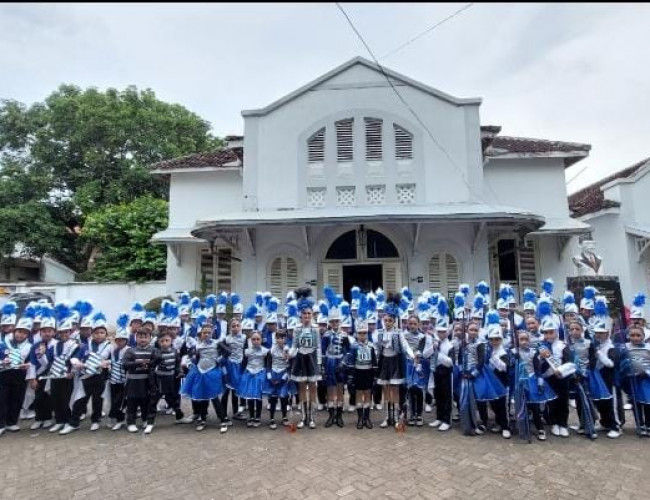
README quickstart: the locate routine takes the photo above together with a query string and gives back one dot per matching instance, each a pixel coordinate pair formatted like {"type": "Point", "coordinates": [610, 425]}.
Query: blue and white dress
{"type": "Point", "coordinates": [486, 385]}
{"type": "Point", "coordinates": [530, 376]}
{"type": "Point", "coordinates": [415, 377]}
{"type": "Point", "coordinates": [635, 366]}
{"type": "Point", "coordinates": [253, 378]}
{"type": "Point", "coordinates": [335, 345]}
{"type": "Point", "coordinates": [278, 383]}
{"type": "Point", "coordinates": [204, 381]}
{"type": "Point", "coordinates": [585, 360]}
{"type": "Point", "coordinates": [233, 347]}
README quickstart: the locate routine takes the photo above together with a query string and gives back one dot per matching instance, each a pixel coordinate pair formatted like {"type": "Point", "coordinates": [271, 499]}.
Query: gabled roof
{"type": "Point", "coordinates": [592, 198]}
{"type": "Point", "coordinates": [371, 65]}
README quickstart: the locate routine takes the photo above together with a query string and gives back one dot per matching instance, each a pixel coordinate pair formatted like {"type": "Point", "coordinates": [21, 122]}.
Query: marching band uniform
{"type": "Point", "coordinates": [607, 357]}
{"type": "Point", "coordinates": [252, 381]}
{"type": "Point", "coordinates": [415, 376]}
{"type": "Point", "coordinates": [278, 385]}
{"type": "Point", "coordinates": [166, 370]}
{"type": "Point", "coordinates": [232, 346]}
{"type": "Point", "coordinates": [117, 379]}
{"type": "Point", "coordinates": [361, 362]}
{"type": "Point", "coordinates": [137, 363]}
{"type": "Point", "coordinates": [334, 345]}
{"type": "Point", "coordinates": [635, 365]}
{"type": "Point", "coordinates": [13, 357]}
{"type": "Point", "coordinates": [440, 352]}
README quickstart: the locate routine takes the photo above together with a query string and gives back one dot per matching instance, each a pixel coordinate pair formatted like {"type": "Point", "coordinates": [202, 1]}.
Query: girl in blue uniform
{"type": "Point", "coordinates": [253, 378]}
{"type": "Point", "coordinates": [635, 368]}
{"type": "Point", "coordinates": [278, 385]}
{"type": "Point", "coordinates": [233, 345]}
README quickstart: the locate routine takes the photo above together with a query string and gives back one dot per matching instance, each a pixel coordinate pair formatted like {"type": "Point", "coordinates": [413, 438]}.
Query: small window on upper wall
{"type": "Point", "coordinates": [316, 147]}
{"type": "Point", "coordinates": [403, 143]}
{"type": "Point", "coordinates": [373, 139]}
{"type": "Point", "coordinates": [344, 142]}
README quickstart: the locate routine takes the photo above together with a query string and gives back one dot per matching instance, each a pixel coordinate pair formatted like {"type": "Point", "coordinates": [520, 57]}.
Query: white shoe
{"type": "Point", "coordinates": [47, 424]}
{"type": "Point", "coordinates": [67, 430]}
{"type": "Point", "coordinates": [564, 432]}
{"type": "Point", "coordinates": [627, 406]}
{"type": "Point", "coordinates": [572, 403]}
{"type": "Point", "coordinates": [555, 430]}
{"type": "Point", "coordinates": [187, 420]}
{"type": "Point", "coordinates": [27, 415]}
{"type": "Point", "coordinates": [117, 426]}
{"type": "Point", "coordinates": [427, 408]}
{"type": "Point", "coordinates": [312, 424]}
{"type": "Point", "coordinates": [300, 424]}
{"type": "Point", "coordinates": [268, 406]}
{"type": "Point", "coordinates": [541, 435]}
{"type": "Point", "coordinates": [352, 409]}
{"type": "Point", "coordinates": [384, 424]}
{"type": "Point", "coordinates": [56, 428]}
{"type": "Point", "coordinates": [12, 428]}
{"type": "Point", "coordinates": [148, 429]}
{"type": "Point", "coordinates": [132, 428]}
{"type": "Point", "coordinates": [505, 434]}
{"type": "Point", "coordinates": [435, 423]}
{"type": "Point", "coordinates": [36, 425]}
{"type": "Point", "coordinates": [613, 434]}
{"type": "Point", "coordinates": [224, 428]}
{"type": "Point", "coordinates": [94, 426]}
{"type": "Point", "coordinates": [599, 428]}
{"type": "Point", "coordinates": [82, 417]}
{"type": "Point", "coordinates": [379, 407]}
{"type": "Point", "coordinates": [200, 425]}
{"type": "Point", "coordinates": [320, 407]}
{"type": "Point", "coordinates": [444, 426]}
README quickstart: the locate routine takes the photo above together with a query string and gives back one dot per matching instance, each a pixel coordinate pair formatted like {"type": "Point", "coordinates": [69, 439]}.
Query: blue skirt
{"type": "Point", "coordinates": [333, 374]}
{"type": "Point", "coordinates": [233, 374]}
{"type": "Point", "coordinates": [414, 378]}
{"type": "Point", "coordinates": [281, 389]}
{"type": "Point", "coordinates": [597, 388]}
{"type": "Point", "coordinates": [251, 385]}
{"type": "Point", "coordinates": [640, 388]}
{"type": "Point", "coordinates": [533, 392]}
{"type": "Point", "coordinates": [203, 386]}
{"type": "Point", "coordinates": [487, 387]}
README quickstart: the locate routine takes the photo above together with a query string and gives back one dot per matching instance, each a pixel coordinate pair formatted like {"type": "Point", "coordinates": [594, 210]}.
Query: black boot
{"type": "Point", "coordinates": [339, 417]}
{"type": "Point", "coordinates": [360, 418]}
{"type": "Point", "coordinates": [366, 418]}
{"type": "Point", "coordinates": [330, 419]}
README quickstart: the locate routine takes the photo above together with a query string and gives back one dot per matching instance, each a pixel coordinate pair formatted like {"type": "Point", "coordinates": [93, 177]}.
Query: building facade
{"type": "Point", "coordinates": [341, 183]}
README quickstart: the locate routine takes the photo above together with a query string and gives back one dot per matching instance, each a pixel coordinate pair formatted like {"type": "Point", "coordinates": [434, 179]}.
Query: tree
{"type": "Point", "coordinates": [80, 151]}
{"type": "Point", "coordinates": [122, 233]}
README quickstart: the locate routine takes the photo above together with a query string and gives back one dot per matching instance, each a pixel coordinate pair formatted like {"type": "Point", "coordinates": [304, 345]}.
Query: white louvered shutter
{"type": "Point", "coordinates": [224, 270]}
{"type": "Point", "coordinates": [527, 266]}
{"type": "Point", "coordinates": [283, 276]}
{"type": "Point", "coordinates": [207, 270]}
{"type": "Point", "coordinates": [403, 143]}
{"type": "Point", "coordinates": [316, 147]}
{"type": "Point", "coordinates": [373, 139]}
{"type": "Point", "coordinates": [333, 276]}
{"type": "Point", "coordinates": [444, 276]}
{"type": "Point", "coordinates": [392, 277]}
{"type": "Point", "coordinates": [344, 142]}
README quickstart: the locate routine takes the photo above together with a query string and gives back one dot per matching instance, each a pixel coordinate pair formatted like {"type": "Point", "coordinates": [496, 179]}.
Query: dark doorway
{"type": "Point", "coordinates": [367, 277]}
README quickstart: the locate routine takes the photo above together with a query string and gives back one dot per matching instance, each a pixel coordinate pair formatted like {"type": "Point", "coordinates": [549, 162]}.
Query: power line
{"type": "Point", "coordinates": [577, 175]}
{"type": "Point", "coordinates": [411, 110]}
{"type": "Point", "coordinates": [427, 31]}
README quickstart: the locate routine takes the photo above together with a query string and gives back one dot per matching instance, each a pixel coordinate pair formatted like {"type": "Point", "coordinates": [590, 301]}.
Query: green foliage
{"type": "Point", "coordinates": [122, 233]}
{"type": "Point", "coordinates": [154, 304]}
{"type": "Point", "coordinates": [82, 150]}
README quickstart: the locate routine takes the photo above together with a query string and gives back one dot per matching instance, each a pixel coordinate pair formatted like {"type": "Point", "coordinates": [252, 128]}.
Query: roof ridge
{"type": "Point", "coordinates": [616, 175]}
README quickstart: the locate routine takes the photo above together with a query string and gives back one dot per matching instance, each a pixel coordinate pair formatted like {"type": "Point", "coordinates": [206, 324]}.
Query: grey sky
{"type": "Point", "coordinates": [573, 72]}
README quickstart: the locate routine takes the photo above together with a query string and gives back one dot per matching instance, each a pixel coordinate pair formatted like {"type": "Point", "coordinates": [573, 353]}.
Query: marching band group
{"type": "Point", "coordinates": [394, 353]}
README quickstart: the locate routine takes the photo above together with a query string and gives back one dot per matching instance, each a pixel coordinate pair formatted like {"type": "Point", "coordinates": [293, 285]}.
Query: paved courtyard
{"type": "Point", "coordinates": [176, 462]}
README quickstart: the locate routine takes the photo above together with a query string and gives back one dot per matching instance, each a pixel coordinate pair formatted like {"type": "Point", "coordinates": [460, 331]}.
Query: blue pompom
{"type": "Point", "coordinates": [443, 308]}
{"type": "Point", "coordinates": [548, 286]}
{"type": "Point", "coordinates": [492, 318]}
{"type": "Point", "coordinates": [639, 300]}
{"type": "Point", "coordinates": [590, 292]}
{"type": "Point", "coordinates": [122, 321]}
{"type": "Point", "coordinates": [600, 307]}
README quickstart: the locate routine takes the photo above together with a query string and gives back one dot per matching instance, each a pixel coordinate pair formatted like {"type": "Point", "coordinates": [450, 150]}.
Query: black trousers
{"type": "Point", "coordinates": [132, 407]}
{"type": "Point", "coordinates": [377, 394]}
{"type": "Point", "coordinates": [321, 392]}
{"type": "Point", "coordinates": [61, 391]}
{"type": "Point", "coordinates": [12, 393]}
{"type": "Point", "coordinates": [117, 402]}
{"type": "Point", "coordinates": [284, 402]}
{"type": "Point", "coordinates": [234, 401]}
{"type": "Point", "coordinates": [43, 403]}
{"type": "Point", "coordinates": [201, 408]}
{"type": "Point", "coordinates": [416, 401]}
{"type": "Point", "coordinates": [500, 409]}
{"type": "Point", "coordinates": [443, 397]}
{"type": "Point", "coordinates": [558, 408]}
{"type": "Point", "coordinates": [173, 401]}
{"type": "Point", "coordinates": [93, 387]}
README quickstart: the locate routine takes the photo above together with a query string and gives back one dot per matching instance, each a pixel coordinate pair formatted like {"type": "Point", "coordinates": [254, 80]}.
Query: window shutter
{"type": "Point", "coordinates": [373, 139]}
{"type": "Point", "coordinates": [527, 266]}
{"type": "Point", "coordinates": [316, 147]}
{"type": "Point", "coordinates": [344, 142]}
{"type": "Point", "coordinates": [403, 143]}
{"type": "Point", "coordinates": [392, 277]}
{"type": "Point", "coordinates": [444, 276]}
{"type": "Point", "coordinates": [283, 276]}
{"type": "Point", "coordinates": [333, 276]}
{"type": "Point", "coordinates": [224, 270]}
{"type": "Point", "coordinates": [207, 270]}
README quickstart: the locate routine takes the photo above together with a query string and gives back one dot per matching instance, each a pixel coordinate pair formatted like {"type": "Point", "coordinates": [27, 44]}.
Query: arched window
{"type": "Point", "coordinates": [403, 143]}
{"type": "Point", "coordinates": [444, 276]}
{"type": "Point", "coordinates": [282, 276]}
{"type": "Point", "coordinates": [344, 247]}
{"type": "Point", "coordinates": [316, 147]}
{"type": "Point", "coordinates": [380, 247]}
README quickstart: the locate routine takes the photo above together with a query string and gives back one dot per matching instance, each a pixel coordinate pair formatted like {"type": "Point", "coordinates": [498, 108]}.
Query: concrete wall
{"type": "Point", "coordinates": [111, 298]}
{"type": "Point", "coordinates": [536, 184]}
{"type": "Point", "coordinates": [53, 273]}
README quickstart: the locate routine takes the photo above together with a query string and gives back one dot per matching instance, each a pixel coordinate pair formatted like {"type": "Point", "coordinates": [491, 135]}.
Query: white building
{"type": "Point", "coordinates": [339, 183]}
{"type": "Point", "coordinates": [618, 210]}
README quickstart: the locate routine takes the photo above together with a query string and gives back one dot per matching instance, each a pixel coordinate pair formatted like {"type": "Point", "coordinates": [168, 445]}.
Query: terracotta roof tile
{"type": "Point", "coordinates": [530, 145]}
{"type": "Point", "coordinates": [218, 159]}
{"type": "Point", "coordinates": [592, 199]}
